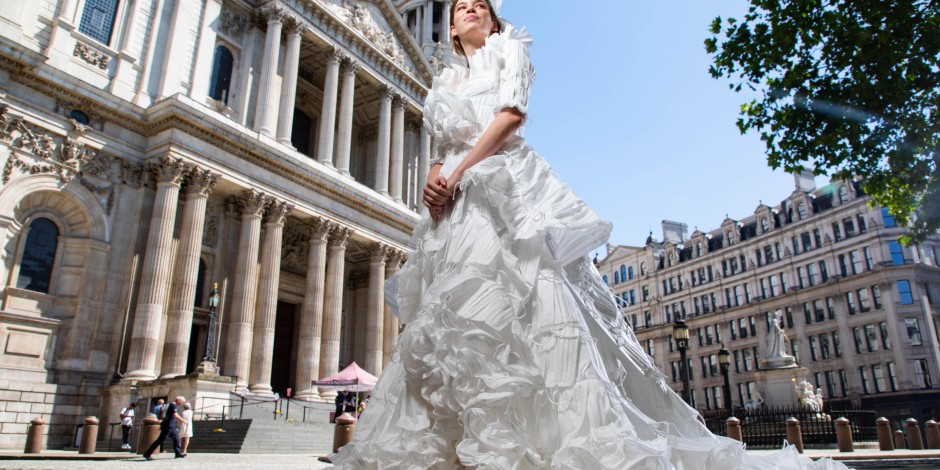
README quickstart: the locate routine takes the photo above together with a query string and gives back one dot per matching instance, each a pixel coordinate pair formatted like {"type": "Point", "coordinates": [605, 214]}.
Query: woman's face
{"type": "Point", "coordinates": [472, 22]}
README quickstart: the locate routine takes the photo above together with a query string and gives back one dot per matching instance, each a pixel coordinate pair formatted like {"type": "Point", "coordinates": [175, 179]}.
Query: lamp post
{"type": "Point", "coordinates": [724, 360]}
{"type": "Point", "coordinates": [213, 324]}
{"type": "Point", "coordinates": [680, 332]}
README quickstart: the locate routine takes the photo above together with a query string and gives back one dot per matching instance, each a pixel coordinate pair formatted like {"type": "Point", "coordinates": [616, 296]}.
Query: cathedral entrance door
{"type": "Point", "coordinates": [282, 368]}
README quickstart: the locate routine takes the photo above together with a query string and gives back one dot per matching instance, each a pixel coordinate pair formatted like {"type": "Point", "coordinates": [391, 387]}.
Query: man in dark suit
{"type": "Point", "coordinates": [168, 427]}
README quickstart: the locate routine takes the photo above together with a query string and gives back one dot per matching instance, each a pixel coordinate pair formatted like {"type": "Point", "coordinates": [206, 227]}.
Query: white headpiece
{"type": "Point", "coordinates": [497, 4]}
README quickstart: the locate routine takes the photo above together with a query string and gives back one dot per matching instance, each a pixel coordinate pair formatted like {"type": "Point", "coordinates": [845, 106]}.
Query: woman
{"type": "Point", "coordinates": [127, 425]}
{"type": "Point", "coordinates": [514, 354]}
{"type": "Point", "coordinates": [186, 428]}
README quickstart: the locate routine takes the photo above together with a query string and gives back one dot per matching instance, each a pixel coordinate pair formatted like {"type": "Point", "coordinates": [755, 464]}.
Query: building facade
{"type": "Point", "coordinates": [157, 148]}
{"type": "Point", "coordinates": [860, 310]}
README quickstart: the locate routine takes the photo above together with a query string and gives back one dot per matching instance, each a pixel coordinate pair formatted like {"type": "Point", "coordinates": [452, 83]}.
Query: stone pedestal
{"type": "Point", "coordinates": [778, 386]}
{"type": "Point", "coordinates": [204, 389]}
{"type": "Point", "coordinates": [208, 369]}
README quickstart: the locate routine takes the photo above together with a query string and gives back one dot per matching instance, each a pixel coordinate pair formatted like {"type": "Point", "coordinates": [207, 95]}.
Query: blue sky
{"type": "Point", "coordinates": [624, 109]}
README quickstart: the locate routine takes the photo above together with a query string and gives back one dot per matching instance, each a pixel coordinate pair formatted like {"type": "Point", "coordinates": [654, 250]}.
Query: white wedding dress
{"type": "Point", "coordinates": [514, 354]}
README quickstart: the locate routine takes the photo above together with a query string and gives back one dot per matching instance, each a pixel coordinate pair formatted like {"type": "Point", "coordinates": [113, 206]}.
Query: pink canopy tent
{"type": "Point", "coordinates": [352, 378]}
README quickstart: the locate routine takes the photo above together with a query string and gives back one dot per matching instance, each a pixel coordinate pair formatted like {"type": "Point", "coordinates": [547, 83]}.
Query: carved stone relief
{"type": "Point", "coordinates": [232, 24]}
{"type": "Point", "coordinates": [91, 56]}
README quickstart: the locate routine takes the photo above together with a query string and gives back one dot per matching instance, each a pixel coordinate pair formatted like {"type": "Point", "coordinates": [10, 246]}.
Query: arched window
{"type": "Point", "coordinates": [616, 277]}
{"type": "Point", "coordinates": [300, 134]}
{"type": "Point", "coordinates": [764, 225]}
{"type": "Point", "coordinates": [630, 272]}
{"type": "Point", "coordinates": [643, 268]}
{"type": "Point", "coordinates": [623, 272]}
{"type": "Point", "coordinates": [843, 195]}
{"type": "Point", "coordinates": [98, 20]}
{"type": "Point", "coordinates": [200, 284]}
{"type": "Point", "coordinates": [221, 79]}
{"type": "Point", "coordinates": [606, 281]}
{"type": "Point", "coordinates": [38, 256]}
{"type": "Point", "coordinates": [801, 210]}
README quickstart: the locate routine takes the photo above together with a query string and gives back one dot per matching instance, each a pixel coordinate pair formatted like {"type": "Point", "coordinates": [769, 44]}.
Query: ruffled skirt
{"type": "Point", "coordinates": [514, 355]}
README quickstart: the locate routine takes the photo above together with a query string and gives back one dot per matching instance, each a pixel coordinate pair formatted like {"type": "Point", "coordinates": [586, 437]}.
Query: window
{"type": "Point", "coordinates": [606, 281]}
{"type": "Point", "coordinates": [843, 195]}
{"type": "Point", "coordinates": [806, 241]}
{"type": "Point", "coordinates": [850, 302]}
{"type": "Point", "coordinates": [885, 340]}
{"type": "Point", "coordinates": [897, 254]}
{"type": "Point", "coordinates": [623, 273]}
{"type": "Point", "coordinates": [830, 383]}
{"type": "Point", "coordinates": [630, 273]}
{"type": "Point", "coordinates": [38, 256]}
{"type": "Point", "coordinates": [617, 278]}
{"type": "Point", "coordinates": [98, 20]}
{"type": "Point", "coordinates": [830, 308]}
{"type": "Point", "coordinates": [857, 333]}
{"type": "Point", "coordinates": [913, 331]}
{"type": "Point", "coordinates": [801, 210]}
{"type": "Point", "coordinates": [864, 303]}
{"type": "Point", "coordinates": [871, 338]}
{"type": "Point", "coordinates": [823, 272]}
{"type": "Point", "coordinates": [800, 277]}
{"type": "Point", "coordinates": [783, 284]}
{"type": "Point", "coordinates": [887, 218]}
{"type": "Point", "coordinates": [221, 80]}
{"type": "Point", "coordinates": [849, 226]}
{"type": "Point", "coordinates": [856, 262]}
{"type": "Point", "coordinates": [869, 261]}
{"type": "Point", "coordinates": [844, 381]}
{"type": "Point", "coordinates": [812, 348]}
{"type": "Point", "coordinates": [862, 225]}
{"type": "Point", "coordinates": [675, 371]}
{"type": "Point", "coordinates": [643, 268]}
{"type": "Point", "coordinates": [650, 347]}
{"type": "Point", "coordinates": [892, 377]}
{"type": "Point", "coordinates": [866, 384]}
{"type": "Point", "coordinates": [904, 293]}
{"type": "Point", "coordinates": [836, 231]}
{"type": "Point", "coordinates": [921, 374]}
{"type": "Point", "coordinates": [878, 373]}
{"type": "Point", "coordinates": [764, 225]}
{"type": "Point", "coordinates": [836, 346]}
{"type": "Point", "coordinates": [876, 297]}
{"type": "Point", "coordinates": [811, 274]}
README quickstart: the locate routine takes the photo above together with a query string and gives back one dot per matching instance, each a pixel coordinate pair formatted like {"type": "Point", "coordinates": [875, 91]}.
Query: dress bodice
{"type": "Point", "coordinates": [466, 97]}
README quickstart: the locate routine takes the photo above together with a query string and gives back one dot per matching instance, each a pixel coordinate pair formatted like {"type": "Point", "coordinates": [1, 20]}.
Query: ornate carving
{"type": "Point", "coordinates": [394, 260]}
{"type": "Point", "coordinates": [294, 25]}
{"type": "Point", "coordinates": [339, 236]}
{"type": "Point", "coordinates": [91, 56]}
{"type": "Point", "coordinates": [66, 108]}
{"type": "Point", "coordinates": [210, 231]}
{"type": "Point", "coordinates": [252, 202]}
{"type": "Point", "coordinates": [437, 59]}
{"type": "Point", "coordinates": [277, 211]}
{"type": "Point", "coordinates": [106, 191]}
{"type": "Point", "coordinates": [64, 160]}
{"type": "Point", "coordinates": [167, 169]}
{"type": "Point", "coordinates": [232, 24]}
{"type": "Point", "coordinates": [295, 246]}
{"type": "Point", "coordinates": [378, 252]}
{"type": "Point", "coordinates": [273, 13]}
{"type": "Point", "coordinates": [360, 18]}
{"type": "Point", "coordinates": [320, 229]}
{"type": "Point", "coordinates": [352, 65]}
{"type": "Point", "coordinates": [200, 181]}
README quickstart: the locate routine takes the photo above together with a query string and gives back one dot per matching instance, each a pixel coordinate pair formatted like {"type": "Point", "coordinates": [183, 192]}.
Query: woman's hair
{"type": "Point", "coordinates": [455, 41]}
{"type": "Point", "coordinates": [186, 406]}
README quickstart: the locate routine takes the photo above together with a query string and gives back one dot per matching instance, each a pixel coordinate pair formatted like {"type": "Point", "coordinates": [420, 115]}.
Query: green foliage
{"type": "Point", "coordinates": [847, 88]}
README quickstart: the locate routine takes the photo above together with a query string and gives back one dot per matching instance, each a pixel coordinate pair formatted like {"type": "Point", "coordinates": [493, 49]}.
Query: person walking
{"type": "Point", "coordinates": [127, 425]}
{"type": "Point", "coordinates": [168, 427]}
{"type": "Point", "coordinates": [340, 402]}
{"type": "Point", "coordinates": [186, 429]}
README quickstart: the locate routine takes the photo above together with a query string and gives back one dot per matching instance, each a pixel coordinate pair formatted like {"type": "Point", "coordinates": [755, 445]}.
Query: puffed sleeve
{"type": "Point", "coordinates": [516, 76]}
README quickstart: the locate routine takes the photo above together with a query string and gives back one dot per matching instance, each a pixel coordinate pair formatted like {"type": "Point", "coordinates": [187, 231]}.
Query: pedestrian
{"type": "Point", "coordinates": [186, 430]}
{"type": "Point", "coordinates": [168, 427]}
{"type": "Point", "coordinates": [350, 405]}
{"type": "Point", "coordinates": [127, 425]}
{"type": "Point", "coordinates": [159, 410]}
{"type": "Point", "coordinates": [340, 401]}
{"type": "Point", "coordinates": [514, 353]}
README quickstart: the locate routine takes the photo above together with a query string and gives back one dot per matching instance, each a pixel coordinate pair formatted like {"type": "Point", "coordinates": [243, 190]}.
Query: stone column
{"type": "Point", "coordinates": [328, 113]}
{"type": "Point", "coordinates": [398, 147]}
{"type": "Point", "coordinates": [445, 23]}
{"type": "Point", "coordinates": [391, 325]}
{"type": "Point", "coordinates": [333, 305]}
{"type": "Point", "coordinates": [266, 107]}
{"type": "Point", "coordinates": [346, 103]}
{"type": "Point", "coordinates": [180, 320]}
{"type": "Point", "coordinates": [375, 313]}
{"type": "Point", "coordinates": [311, 319]}
{"type": "Point", "coordinates": [175, 51]}
{"type": "Point", "coordinates": [205, 51]}
{"type": "Point", "coordinates": [382, 146]}
{"type": "Point", "coordinates": [262, 348]}
{"type": "Point", "coordinates": [246, 71]}
{"type": "Point", "coordinates": [244, 290]}
{"type": "Point", "coordinates": [424, 158]}
{"type": "Point", "coordinates": [295, 31]}
{"type": "Point", "coordinates": [428, 22]}
{"type": "Point", "coordinates": [155, 274]}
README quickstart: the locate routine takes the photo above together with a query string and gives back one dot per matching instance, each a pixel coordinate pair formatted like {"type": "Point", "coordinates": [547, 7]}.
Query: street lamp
{"type": "Point", "coordinates": [213, 324]}
{"type": "Point", "coordinates": [724, 360]}
{"type": "Point", "coordinates": [680, 332]}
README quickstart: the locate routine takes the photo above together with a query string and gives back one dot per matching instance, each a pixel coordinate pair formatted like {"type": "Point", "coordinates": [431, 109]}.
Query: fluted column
{"type": "Point", "coordinates": [375, 313]}
{"type": "Point", "coordinates": [424, 158]}
{"type": "Point", "coordinates": [186, 271]}
{"type": "Point", "coordinates": [155, 274]}
{"type": "Point", "coordinates": [311, 319]}
{"type": "Point", "coordinates": [429, 22]}
{"type": "Point", "coordinates": [445, 23]}
{"type": "Point", "coordinates": [390, 323]}
{"type": "Point", "coordinates": [398, 147]}
{"type": "Point", "coordinates": [262, 347]}
{"type": "Point", "coordinates": [242, 314]}
{"type": "Point", "coordinates": [384, 139]}
{"type": "Point", "coordinates": [266, 108]}
{"type": "Point", "coordinates": [295, 31]}
{"type": "Point", "coordinates": [346, 103]}
{"type": "Point", "coordinates": [328, 113]}
{"type": "Point", "coordinates": [333, 305]}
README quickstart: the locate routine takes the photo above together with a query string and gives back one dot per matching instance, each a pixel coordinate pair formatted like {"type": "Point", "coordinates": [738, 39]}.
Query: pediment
{"type": "Point", "coordinates": [379, 23]}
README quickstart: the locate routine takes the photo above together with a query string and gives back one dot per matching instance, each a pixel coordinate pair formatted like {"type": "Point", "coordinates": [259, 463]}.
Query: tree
{"type": "Point", "coordinates": [848, 88]}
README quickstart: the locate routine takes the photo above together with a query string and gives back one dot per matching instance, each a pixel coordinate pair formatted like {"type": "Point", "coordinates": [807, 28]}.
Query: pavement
{"type": "Point", "coordinates": [71, 460]}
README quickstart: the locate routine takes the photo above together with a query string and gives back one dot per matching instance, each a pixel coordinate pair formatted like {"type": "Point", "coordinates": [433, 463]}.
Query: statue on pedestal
{"type": "Point", "coordinates": [777, 355]}
{"type": "Point", "coordinates": [810, 400]}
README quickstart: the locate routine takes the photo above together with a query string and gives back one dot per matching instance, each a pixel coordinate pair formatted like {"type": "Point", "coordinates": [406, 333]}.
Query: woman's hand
{"type": "Point", "coordinates": [436, 194]}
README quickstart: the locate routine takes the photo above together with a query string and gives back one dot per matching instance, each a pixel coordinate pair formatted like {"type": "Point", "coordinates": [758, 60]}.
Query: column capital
{"type": "Point", "coordinates": [378, 252]}
{"type": "Point", "coordinates": [339, 236]}
{"type": "Point", "coordinates": [351, 65]}
{"type": "Point", "coordinates": [334, 54]}
{"type": "Point", "coordinates": [167, 169]}
{"type": "Point", "coordinates": [276, 211]}
{"type": "Point", "coordinates": [274, 14]}
{"type": "Point", "coordinates": [199, 181]}
{"type": "Point", "coordinates": [294, 25]}
{"type": "Point", "coordinates": [320, 229]}
{"type": "Point", "coordinates": [399, 101]}
{"type": "Point", "coordinates": [414, 124]}
{"type": "Point", "coordinates": [252, 202]}
{"type": "Point", "coordinates": [395, 259]}
{"type": "Point", "coordinates": [387, 92]}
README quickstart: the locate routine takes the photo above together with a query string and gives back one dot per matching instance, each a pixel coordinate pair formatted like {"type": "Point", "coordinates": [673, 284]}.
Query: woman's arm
{"type": "Point", "coordinates": [436, 193]}
{"type": "Point", "coordinates": [506, 124]}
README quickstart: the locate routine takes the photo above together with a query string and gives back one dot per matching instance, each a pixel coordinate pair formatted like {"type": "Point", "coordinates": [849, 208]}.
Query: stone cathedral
{"type": "Point", "coordinates": [203, 197]}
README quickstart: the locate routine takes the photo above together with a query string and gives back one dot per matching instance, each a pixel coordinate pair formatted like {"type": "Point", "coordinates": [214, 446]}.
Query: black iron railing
{"type": "Point", "coordinates": [767, 427]}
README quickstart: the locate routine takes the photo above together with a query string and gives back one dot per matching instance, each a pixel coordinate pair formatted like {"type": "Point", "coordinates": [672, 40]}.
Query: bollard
{"type": "Point", "coordinates": [794, 434]}
{"type": "Point", "coordinates": [733, 425]}
{"type": "Point", "coordinates": [343, 432]}
{"type": "Point", "coordinates": [844, 435]}
{"type": "Point", "coordinates": [933, 434]}
{"type": "Point", "coordinates": [89, 436]}
{"type": "Point", "coordinates": [914, 440]}
{"type": "Point", "coordinates": [34, 437]}
{"type": "Point", "coordinates": [899, 440]}
{"type": "Point", "coordinates": [149, 434]}
{"type": "Point", "coordinates": [884, 434]}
